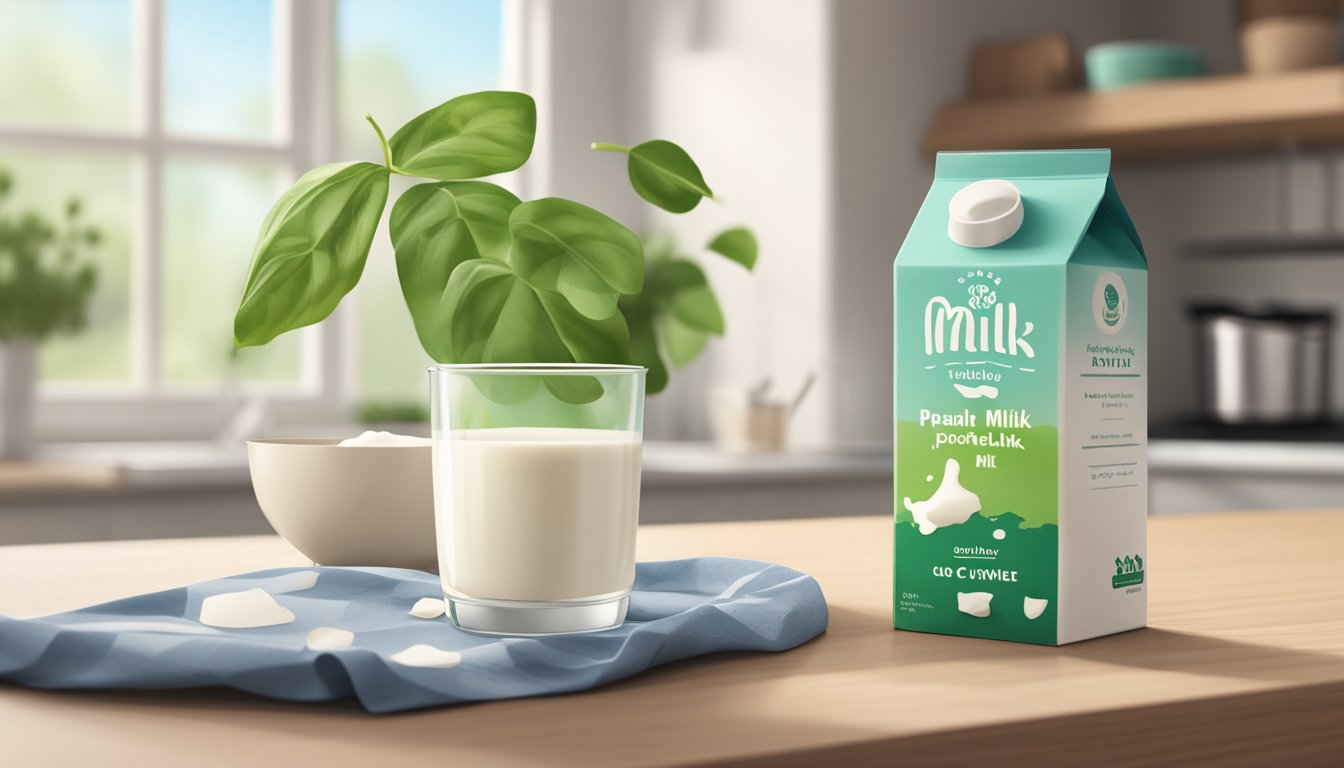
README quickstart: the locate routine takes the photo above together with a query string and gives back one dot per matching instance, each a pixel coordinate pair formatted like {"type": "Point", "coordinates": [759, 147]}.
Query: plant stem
{"type": "Point", "coordinates": [382, 140]}
{"type": "Point", "coordinates": [599, 146]}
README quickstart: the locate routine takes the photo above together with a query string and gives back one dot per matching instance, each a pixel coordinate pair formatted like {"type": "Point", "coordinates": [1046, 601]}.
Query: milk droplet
{"type": "Point", "coordinates": [428, 608]}
{"type": "Point", "coordinates": [292, 582]}
{"type": "Point", "coordinates": [1033, 607]}
{"type": "Point", "coordinates": [974, 603]}
{"type": "Point", "coordinates": [244, 610]}
{"type": "Point", "coordinates": [422, 655]}
{"type": "Point", "coordinates": [999, 534]}
{"type": "Point", "coordinates": [951, 504]}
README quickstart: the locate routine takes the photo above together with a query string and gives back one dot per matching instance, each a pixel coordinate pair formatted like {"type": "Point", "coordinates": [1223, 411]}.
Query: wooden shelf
{"type": "Point", "coordinates": [1203, 116]}
{"type": "Point", "coordinates": [1280, 246]}
{"type": "Point", "coordinates": [49, 477]}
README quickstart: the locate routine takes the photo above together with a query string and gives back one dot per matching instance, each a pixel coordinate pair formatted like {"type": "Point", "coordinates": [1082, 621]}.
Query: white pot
{"type": "Point", "coordinates": [745, 427]}
{"type": "Point", "coordinates": [18, 386]}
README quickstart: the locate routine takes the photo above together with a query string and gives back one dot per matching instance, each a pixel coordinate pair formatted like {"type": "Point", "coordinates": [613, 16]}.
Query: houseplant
{"type": "Point", "coordinates": [673, 317]}
{"type": "Point", "coordinates": [489, 278]}
{"type": "Point", "coordinates": [46, 279]}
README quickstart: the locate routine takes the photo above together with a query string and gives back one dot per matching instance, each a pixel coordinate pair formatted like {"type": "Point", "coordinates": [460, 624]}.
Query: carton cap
{"type": "Point", "coordinates": [984, 213]}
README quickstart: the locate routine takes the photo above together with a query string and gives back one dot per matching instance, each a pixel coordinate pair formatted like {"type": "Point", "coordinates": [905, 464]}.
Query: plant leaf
{"type": "Point", "coordinates": [737, 244]}
{"type": "Point", "coordinates": [588, 341]}
{"type": "Point", "coordinates": [681, 342]}
{"type": "Point", "coordinates": [474, 135]}
{"type": "Point", "coordinates": [573, 250]}
{"type": "Point", "coordinates": [671, 320]}
{"type": "Point", "coordinates": [665, 175]}
{"type": "Point", "coordinates": [492, 316]}
{"type": "Point", "coordinates": [644, 342]}
{"type": "Point", "coordinates": [311, 250]}
{"type": "Point", "coordinates": [685, 293]}
{"type": "Point", "coordinates": [435, 227]}
{"type": "Point", "coordinates": [658, 246]}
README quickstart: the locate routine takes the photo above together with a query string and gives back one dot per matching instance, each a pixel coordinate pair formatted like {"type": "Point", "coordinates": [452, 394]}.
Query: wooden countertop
{"type": "Point", "coordinates": [1243, 663]}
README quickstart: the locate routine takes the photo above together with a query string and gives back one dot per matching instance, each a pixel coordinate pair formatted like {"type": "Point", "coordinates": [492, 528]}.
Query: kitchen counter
{"type": "Point", "coordinates": [99, 491]}
{"type": "Point", "coordinates": [1243, 662]}
{"type": "Point", "coordinates": [200, 464]}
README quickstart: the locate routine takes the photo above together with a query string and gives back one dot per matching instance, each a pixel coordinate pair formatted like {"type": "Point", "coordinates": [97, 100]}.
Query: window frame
{"type": "Point", "coordinates": [304, 104]}
{"type": "Point", "coordinates": [304, 34]}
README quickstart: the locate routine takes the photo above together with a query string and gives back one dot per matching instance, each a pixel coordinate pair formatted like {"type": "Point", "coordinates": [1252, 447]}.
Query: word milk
{"type": "Point", "coordinates": [1021, 402]}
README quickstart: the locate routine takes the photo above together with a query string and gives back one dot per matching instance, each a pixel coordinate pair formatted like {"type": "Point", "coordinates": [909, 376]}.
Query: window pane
{"type": "Point", "coordinates": [218, 68]}
{"type": "Point", "coordinates": [395, 59]}
{"type": "Point", "coordinates": [43, 183]}
{"type": "Point", "coordinates": [212, 213]}
{"type": "Point", "coordinates": [391, 362]}
{"type": "Point", "coordinates": [66, 62]}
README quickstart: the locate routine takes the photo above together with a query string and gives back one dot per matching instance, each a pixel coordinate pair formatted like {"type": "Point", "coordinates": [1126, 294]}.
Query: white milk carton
{"type": "Point", "coordinates": [1021, 403]}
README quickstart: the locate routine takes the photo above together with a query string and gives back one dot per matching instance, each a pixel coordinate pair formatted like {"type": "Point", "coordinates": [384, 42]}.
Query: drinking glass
{"type": "Point", "coordinates": [536, 494]}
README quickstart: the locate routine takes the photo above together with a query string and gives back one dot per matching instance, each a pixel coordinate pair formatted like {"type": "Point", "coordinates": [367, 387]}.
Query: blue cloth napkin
{"type": "Point", "coordinates": [679, 609]}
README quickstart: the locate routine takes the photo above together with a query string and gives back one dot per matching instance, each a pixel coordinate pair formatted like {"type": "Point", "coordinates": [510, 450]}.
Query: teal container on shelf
{"type": "Point", "coordinates": [1117, 65]}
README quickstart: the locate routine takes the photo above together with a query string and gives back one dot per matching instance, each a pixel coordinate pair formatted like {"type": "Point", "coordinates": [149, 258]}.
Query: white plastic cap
{"type": "Point", "coordinates": [984, 213]}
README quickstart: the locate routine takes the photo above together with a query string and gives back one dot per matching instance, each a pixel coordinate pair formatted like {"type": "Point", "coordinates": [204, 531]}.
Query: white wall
{"type": "Point", "coordinates": [806, 116]}
{"type": "Point", "coordinates": [574, 63]}
{"type": "Point", "coordinates": [742, 85]}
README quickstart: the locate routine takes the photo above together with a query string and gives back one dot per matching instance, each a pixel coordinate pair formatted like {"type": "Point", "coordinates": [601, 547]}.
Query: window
{"type": "Point", "coordinates": [394, 66]}
{"type": "Point", "coordinates": [177, 123]}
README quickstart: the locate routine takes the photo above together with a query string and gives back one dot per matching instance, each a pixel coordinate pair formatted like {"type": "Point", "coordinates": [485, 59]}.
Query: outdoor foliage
{"type": "Point", "coordinates": [46, 275]}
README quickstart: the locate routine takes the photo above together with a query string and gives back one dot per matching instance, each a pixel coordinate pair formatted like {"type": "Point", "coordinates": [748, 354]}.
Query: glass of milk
{"type": "Point", "coordinates": [536, 494]}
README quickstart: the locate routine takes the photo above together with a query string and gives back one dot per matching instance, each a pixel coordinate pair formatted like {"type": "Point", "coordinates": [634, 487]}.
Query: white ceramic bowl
{"type": "Point", "coordinates": [348, 505]}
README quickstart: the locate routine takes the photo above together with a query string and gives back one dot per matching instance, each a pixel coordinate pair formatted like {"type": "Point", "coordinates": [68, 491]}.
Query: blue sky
{"type": "Point", "coordinates": [219, 56]}
{"type": "Point", "coordinates": [441, 42]}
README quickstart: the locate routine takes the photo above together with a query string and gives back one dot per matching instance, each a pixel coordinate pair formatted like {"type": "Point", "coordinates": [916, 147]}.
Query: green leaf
{"type": "Point", "coordinates": [475, 135]}
{"type": "Point", "coordinates": [671, 320]}
{"type": "Point", "coordinates": [665, 175]}
{"type": "Point", "coordinates": [738, 244]}
{"type": "Point", "coordinates": [573, 250]}
{"type": "Point", "coordinates": [644, 342]}
{"type": "Point", "coordinates": [683, 289]}
{"type": "Point", "coordinates": [311, 250]}
{"type": "Point", "coordinates": [483, 297]}
{"type": "Point", "coordinates": [435, 227]}
{"type": "Point", "coordinates": [658, 246]}
{"type": "Point", "coordinates": [682, 342]}
{"type": "Point", "coordinates": [588, 341]}
{"type": "Point", "coordinates": [492, 316]}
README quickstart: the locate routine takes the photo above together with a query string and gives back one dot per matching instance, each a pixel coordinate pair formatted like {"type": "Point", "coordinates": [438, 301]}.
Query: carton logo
{"type": "Point", "coordinates": [1128, 572]}
{"type": "Point", "coordinates": [983, 324]}
{"type": "Point", "coordinates": [982, 295]}
{"type": "Point", "coordinates": [1110, 303]}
